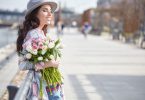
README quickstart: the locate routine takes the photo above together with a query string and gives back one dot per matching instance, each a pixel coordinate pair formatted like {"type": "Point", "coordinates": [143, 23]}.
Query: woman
{"type": "Point", "coordinates": [38, 16]}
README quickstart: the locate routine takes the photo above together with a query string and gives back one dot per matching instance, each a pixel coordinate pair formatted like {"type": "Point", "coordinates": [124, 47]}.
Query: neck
{"type": "Point", "coordinates": [40, 27]}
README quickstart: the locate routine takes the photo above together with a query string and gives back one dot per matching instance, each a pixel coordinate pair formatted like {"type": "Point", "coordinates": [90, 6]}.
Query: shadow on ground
{"type": "Point", "coordinates": [108, 87]}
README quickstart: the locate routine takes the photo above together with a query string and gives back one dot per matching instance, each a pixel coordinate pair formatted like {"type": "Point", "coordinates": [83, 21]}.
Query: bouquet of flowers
{"type": "Point", "coordinates": [41, 50]}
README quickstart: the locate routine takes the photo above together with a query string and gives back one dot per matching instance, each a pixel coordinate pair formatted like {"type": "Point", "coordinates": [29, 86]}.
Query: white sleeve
{"type": "Point", "coordinates": [26, 65]}
{"type": "Point", "coordinates": [23, 63]}
{"type": "Point", "coordinates": [33, 34]}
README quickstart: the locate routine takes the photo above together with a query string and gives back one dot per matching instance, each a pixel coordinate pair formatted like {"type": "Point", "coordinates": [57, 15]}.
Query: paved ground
{"type": "Point", "coordinates": [98, 68]}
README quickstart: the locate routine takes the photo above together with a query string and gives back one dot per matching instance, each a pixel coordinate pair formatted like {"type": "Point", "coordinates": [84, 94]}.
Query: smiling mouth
{"type": "Point", "coordinates": [48, 18]}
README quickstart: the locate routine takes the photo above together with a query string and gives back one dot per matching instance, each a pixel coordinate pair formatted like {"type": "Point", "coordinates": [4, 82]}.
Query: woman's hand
{"type": "Point", "coordinates": [51, 63]}
{"type": "Point", "coordinates": [42, 65]}
{"type": "Point", "coordinates": [39, 66]}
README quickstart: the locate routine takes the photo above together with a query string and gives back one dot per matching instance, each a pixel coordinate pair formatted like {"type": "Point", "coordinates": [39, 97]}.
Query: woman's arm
{"type": "Point", "coordinates": [51, 63]}
{"type": "Point", "coordinates": [42, 65]}
{"type": "Point", "coordinates": [25, 65]}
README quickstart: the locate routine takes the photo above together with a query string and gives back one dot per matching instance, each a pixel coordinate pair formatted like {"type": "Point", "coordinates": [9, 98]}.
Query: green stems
{"type": "Point", "coordinates": [52, 76]}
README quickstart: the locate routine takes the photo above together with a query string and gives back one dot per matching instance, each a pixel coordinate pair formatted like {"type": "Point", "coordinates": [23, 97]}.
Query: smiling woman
{"type": "Point", "coordinates": [38, 17]}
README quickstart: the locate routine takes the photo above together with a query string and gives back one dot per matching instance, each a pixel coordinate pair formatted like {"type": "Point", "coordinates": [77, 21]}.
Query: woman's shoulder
{"type": "Point", "coordinates": [33, 33]}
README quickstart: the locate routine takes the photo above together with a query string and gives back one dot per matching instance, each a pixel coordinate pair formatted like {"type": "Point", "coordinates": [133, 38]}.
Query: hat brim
{"type": "Point", "coordinates": [52, 4]}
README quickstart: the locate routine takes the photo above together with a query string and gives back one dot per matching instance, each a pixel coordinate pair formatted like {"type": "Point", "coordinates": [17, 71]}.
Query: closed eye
{"type": "Point", "coordinates": [46, 10]}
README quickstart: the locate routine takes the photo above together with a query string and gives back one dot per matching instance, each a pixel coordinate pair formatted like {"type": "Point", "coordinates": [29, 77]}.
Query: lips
{"type": "Point", "coordinates": [48, 18]}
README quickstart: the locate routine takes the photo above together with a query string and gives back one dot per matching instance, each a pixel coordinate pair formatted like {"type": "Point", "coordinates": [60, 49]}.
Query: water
{"type": "Point", "coordinates": [7, 36]}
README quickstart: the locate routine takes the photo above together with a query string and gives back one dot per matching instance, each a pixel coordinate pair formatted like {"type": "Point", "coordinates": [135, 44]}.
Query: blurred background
{"type": "Point", "coordinates": [123, 19]}
{"type": "Point", "coordinates": [105, 36]}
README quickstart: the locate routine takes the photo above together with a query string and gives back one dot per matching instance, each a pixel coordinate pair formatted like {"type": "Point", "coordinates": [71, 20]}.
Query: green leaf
{"type": "Point", "coordinates": [57, 42]}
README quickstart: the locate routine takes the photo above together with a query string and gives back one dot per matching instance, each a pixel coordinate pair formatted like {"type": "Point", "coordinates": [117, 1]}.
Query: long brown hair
{"type": "Point", "coordinates": [31, 22]}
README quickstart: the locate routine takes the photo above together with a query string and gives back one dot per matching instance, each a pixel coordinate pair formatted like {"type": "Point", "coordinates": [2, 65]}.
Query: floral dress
{"type": "Point", "coordinates": [33, 93]}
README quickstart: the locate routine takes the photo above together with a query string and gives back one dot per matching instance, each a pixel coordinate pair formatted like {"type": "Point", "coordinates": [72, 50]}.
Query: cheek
{"type": "Point", "coordinates": [44, 14]}
{"type": "Point", "coordinates": [41, 16]}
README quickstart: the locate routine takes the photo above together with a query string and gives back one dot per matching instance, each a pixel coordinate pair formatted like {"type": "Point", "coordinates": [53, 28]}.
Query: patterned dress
{"type": "Point", "coordinates": [33, 94]}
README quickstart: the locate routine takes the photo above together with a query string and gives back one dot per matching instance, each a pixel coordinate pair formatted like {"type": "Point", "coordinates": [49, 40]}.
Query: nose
{"type": "Point", "coordinates": [49, 14]}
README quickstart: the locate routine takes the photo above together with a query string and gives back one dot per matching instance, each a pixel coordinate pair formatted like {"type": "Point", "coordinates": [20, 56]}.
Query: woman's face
{"type": "Point", "coordinates": [45, 14]}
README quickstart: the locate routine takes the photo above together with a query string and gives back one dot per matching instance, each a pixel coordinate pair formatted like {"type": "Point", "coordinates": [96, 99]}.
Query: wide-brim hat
{"type": "Point", "coordinates": [33, 4]}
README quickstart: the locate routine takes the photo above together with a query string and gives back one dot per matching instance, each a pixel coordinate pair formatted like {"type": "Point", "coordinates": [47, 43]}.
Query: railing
{"type": "Point", "coordinates": [22, 92]}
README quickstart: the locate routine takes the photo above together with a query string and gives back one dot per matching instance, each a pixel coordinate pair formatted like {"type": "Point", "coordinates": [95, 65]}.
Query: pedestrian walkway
{"type": "Point", "coordinates": [98, 68]}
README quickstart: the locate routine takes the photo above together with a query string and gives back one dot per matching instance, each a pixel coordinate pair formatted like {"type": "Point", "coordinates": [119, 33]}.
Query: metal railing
{"type": "Point", "coordinates": [22, 92]}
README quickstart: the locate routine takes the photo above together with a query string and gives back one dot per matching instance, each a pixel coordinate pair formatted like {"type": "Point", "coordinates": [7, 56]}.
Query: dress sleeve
{"type": "Point", "coordinates": [23, 63]}
{"type": "Point", "coordinates": [33, 34]}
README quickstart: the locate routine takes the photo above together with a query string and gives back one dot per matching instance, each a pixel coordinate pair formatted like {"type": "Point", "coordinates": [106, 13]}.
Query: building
{"type": "Point", "coordinates": [131, 12]}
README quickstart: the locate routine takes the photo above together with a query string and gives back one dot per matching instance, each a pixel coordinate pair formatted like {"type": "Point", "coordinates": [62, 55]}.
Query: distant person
{"type": "Point", "coordinates": [60, 27]}
{"type": "Point", "coordinates": [142, 34]}
{"type": "Point", "coordinates": [115, 26]}
{"type": "Point", "coordinates": [38, 16]}
{"type": "Point", "coordinates": [86, 29]}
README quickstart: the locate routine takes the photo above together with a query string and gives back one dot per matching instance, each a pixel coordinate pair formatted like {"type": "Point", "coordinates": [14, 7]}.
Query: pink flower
{"type": "Point", "coordinates": [40, 44]}
{"type": "Point", "coordinates": [34, 46]}
{"type": "Point", "coordinates": [34, 40]}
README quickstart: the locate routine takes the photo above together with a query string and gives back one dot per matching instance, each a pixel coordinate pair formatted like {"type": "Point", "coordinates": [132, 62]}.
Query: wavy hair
{"type": "Point", "coordinates": [31, 22]}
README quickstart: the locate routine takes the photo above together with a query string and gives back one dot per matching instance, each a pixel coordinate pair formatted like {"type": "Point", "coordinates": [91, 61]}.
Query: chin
{"type": "Point", "coordinates": [48, 22]}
